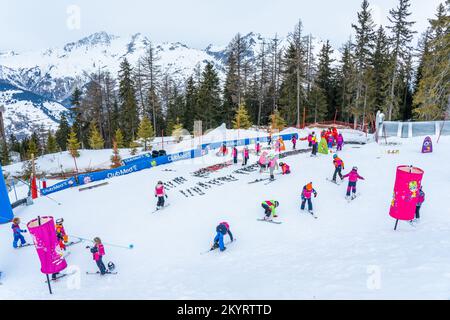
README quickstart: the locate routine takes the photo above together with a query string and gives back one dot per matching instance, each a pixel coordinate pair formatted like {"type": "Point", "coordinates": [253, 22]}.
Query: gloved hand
{"type": "Point", "coordinates": [88, 247]}
{"type": "Point", "coordinates": [156, 196]}
{"type": "Point", "coordinates": [166, 196]}
{"type": "Point", "coordinates": [24, 231]}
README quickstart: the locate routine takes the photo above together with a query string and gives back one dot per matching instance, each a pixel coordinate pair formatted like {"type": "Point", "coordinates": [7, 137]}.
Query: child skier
{"type": "Point", "coordinates": [98, 251]}
{"type": "Point", "coordinates": [246, 155]}
{"type": "Point", "coordinates": [269, 209]}
{"type": "Point", "coordinates": [420, 200]}
{"type": "Point", "coordinates": [339, 142]}
{"type": "Point", "coordinates": [272, 166]}
{"type": "Point", "coordinates": [294, 141]}
{"type": "Point", "coordinates": [314, 145]}
{"type": "Point", "coordinates": [285, 169]}
{"type": "Point", "coordinates": [223, 150]}
{"type": "Point", "coordinates": [353, 177]}
{"type": "Point", "coordinates": [262, 162]}
{"type": "Point", "coordinates": [222, 229]}
{"type": "Point", "coordinates": [338, 167]}
{"type": "Point", "coordinates": [307, 191]}
{"type": "Point", "coordinates": [310, 139]}
{"type": "Point", "coordinates": [17, 232]}
{"type": "Point", "coordinates": [61, 235]}
{"type": "Point", "coordinates": [258, 148]}
{"type": "Point", "coordinates": [234, 154]}
{"type": "Point", "coordinates": [330, 141]}
{"type": "Point", "coordinates": [160, 193]}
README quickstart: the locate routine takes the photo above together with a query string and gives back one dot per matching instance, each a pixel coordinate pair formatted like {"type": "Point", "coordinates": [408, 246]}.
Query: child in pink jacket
{"type": "Point", "coordinates": [353, 177]}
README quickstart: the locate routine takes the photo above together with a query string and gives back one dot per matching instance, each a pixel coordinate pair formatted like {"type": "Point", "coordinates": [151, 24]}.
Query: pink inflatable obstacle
{"type": "Point", "coordinates": [406, 190]}
{"type": "Point", "coordinates": [44, 237]}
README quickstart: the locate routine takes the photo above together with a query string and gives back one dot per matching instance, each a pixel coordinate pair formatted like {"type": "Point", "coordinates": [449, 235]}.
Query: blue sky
{"type": "Point", "coordinates": [38, 24]}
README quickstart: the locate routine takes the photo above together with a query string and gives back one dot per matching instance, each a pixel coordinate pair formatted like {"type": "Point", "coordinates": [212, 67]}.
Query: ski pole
{"type": "Point", "coordinates": [39, 192]}
{"type": "Point", "coordinates": [130, 246]}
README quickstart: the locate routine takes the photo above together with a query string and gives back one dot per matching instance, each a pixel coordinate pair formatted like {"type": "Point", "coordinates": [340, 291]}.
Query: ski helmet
{"type": "Point", "coordinates": [276, 203]}
{"type": "Point", "coordinates": [59, 221]}
{"type": "Point", "coordinates": [111, 266]}
{"type": "Point", "coordinates": [281, 163]}
{"type": "Point", "coordinates": [355, 168]}
{"type": "Point", "coordinates": [160, 182]}
{"type": "Point", "coordinates": [334, 156]}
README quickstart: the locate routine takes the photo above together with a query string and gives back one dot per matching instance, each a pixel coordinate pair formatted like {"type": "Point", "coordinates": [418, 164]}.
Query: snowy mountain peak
{"type": "Point", "coordinates": [96, 39]}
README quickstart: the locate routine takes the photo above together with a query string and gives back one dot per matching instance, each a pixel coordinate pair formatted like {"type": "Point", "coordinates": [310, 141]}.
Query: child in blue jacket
{"type": "Point", "coordinates": [17, 232]}
{"type": "Point", "coordinates": [222, 229]}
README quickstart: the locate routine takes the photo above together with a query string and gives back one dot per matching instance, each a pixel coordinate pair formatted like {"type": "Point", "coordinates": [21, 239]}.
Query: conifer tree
{"type": "Point", "coordinates": [118, 138]}
{"type": "Point", "coordinates": [432, 98]}
{"type": "Point", "coordinates": [129, 119]}
{"type": "Point", "coordinates": [52, 146]}
{"type": "Point", "coordinates": [116, 160]}
{"type": "Point", "coordinates": [96, 141]}
{"type": "Point", "coordinates": [208, 98]}
{"type": "Point", "coordinates": [75, 102]}
{"type": "Point", "coordinates": [277, 122]}
{"type": "Point", "coordinates": [401, 36]}
{"type": "Point", "coordinates": [241, 118]}
{"type": "Point", "coordinates": [62, 133]}
{"type": "Point", "coordinates": [72, 144]}
{"type": "Point", "coordinates": [5, 159]}
{"type": "Point", "coordinates": [145, 131]}
{"type": "Point", "coordinates": [133, 146]}
{"type": "Point", "coordinates": [325, 78]}
{"type": "Point", "coordinates": [190, 104]}
{"type": "Point", "coordinates": [32, 149]}
{"type": "Point", "coordinates": [177, 130]}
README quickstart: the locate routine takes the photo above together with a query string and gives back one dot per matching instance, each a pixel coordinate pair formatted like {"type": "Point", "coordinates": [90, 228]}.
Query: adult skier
{"type": "Point", "coordinates": [339, 142]}
{"type": "Point", "coordinates": [353, 177]}
{"type": "Point", "coordinates": [160, 193]}
{"type": "Point", "coordinates": [222, 229]}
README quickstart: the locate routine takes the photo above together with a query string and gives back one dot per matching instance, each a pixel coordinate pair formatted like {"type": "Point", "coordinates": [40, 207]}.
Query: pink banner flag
{"type": "Point", "coordinates": [47, 246]}
{"type": "Point", "coordinates": [406, 190]}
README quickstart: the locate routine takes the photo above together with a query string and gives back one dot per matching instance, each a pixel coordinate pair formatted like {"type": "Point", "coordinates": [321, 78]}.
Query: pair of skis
{"type": "Point", "coordinates": [258, 180]}
{"type": "Point", "coordinates": [334, 181]}
{"type": "Point", "coordinates": [213, 248]}
{"type": "Point", "coordinates": [159, 209]}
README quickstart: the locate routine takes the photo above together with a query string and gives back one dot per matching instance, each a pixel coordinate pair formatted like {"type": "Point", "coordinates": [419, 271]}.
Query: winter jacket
{"type": "Point", "coordinates": [338, 162]}
{"type": "Point", "coordinates": [353, 176]}
{"type": "Point", "coordinates": [272, 163]}
{"type": "Point", "coordinates": [313, 140]}
{"type": "Point", "coordinates": [16, 229]}
{"type": "Point", "coordinates": [294, 139]}
{"type": "Point", "coordinates": [285, 168]}
{"type": "Point", "coordinates": [246, 153]}
{"type": "Point", "coordinates": [421, 197]}
{"type": "Point", "coordinates": [258, 147]}
{"type": "Point", "coordinates": [98, 251]}
{"type": "Point", "coordinates": [340, 139]}
{"type": "Point", "coordinates": [307, 193]}
{"type": "Point", "coordinates": [224, 228]}
{"type": "Point", "coordinates": [309, 137]}
{"type": "Point", "coordinates": [271, 205]}
{"type": "Point", "coordinates": [330, 139]}
{"type": "Point", "coordinates": [159, 191]}
{"type": "Point", "coordinates": [235, 152]}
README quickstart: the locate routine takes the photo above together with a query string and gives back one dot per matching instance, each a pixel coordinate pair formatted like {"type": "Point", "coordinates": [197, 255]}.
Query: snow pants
{"type": "Point", "coordinates": [219, 239]}
{"type": "Point", "coordinates": [235, 160]}
{"type": "Point", "coordinates": [351, 187]}
{"type": "Point", "coordinates": [310, 207]}
{"type": "Point", "coordinates": [101, 265]}
{"type": "Point", "coordinates": [418, 211]}
{"type": "Point", "coordinates": [314, 149]}
{"type": "Point", "coordinates": [339, 147]}
{"type": "Point", "coordinates": [267, 210]}
{"type": "Point", "coordinates": [245, 161]}
{"type": "Point", "coordinates": [271, 169]}
{"type": "Point", "coordinates": [293, 145]}
{"type": "Point", "coordinates": [18, 237]}
{"type": "Point", "coordinates": [330, 145]}
{"type": "Point", "coordinates": [337, 171]}
{"type": "Point", "coordinates": [160, 202]}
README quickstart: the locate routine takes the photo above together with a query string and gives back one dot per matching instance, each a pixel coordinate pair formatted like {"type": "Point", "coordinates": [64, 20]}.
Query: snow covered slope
{"type": "Point", "coordinates": [350, 251]}
{"type": "Point", "coordinates": [26, 111]}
